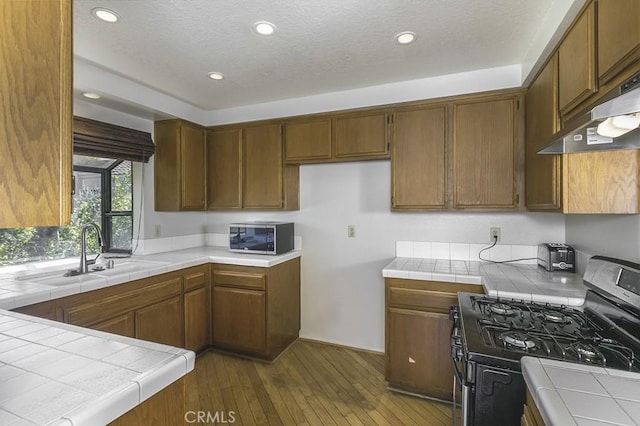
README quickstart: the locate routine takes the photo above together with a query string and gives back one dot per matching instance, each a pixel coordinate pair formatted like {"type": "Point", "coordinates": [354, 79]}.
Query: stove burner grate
{"type": "Point", "coordinates": [518, 339]}
{"type": "Point", "coordinates": [501, 309]}
{"type": "Point", "coordinates": [555, 316]}
{"type": "Point", "coordinates": [586, 352]}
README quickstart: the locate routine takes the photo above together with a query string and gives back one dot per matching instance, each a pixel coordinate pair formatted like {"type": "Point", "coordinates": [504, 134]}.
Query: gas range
{"type": "Point", "coordinates": [511, 329]}
{"type": "Point", "coordinates": [491, 334]}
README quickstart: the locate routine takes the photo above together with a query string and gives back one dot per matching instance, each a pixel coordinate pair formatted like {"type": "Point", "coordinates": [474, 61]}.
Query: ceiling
{"type": "Point", "coordinates": [169, 46]}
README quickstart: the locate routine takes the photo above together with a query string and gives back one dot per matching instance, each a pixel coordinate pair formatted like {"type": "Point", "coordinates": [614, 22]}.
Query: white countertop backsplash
{"type": "Point", "coordinates": [454, 262]}
{"type": "Point", "coordinates": [56, 373]}
{"type": "Point", "coordinates": [577, 394]}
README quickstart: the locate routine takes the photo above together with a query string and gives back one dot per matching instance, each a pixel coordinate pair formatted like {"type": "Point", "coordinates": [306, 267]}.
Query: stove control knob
{"type": "Point", "coordinates": [458, 354]}
{"type": "Point", "coordinates": [562, 265]}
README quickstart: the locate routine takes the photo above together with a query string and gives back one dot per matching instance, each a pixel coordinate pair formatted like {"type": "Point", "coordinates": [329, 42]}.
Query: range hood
{"type": "Point", "coordinates": [612, 125]}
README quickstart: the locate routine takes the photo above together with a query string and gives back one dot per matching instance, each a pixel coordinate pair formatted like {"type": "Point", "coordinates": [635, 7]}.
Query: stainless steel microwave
{"type": "Point", "coordinates": [261, 237]}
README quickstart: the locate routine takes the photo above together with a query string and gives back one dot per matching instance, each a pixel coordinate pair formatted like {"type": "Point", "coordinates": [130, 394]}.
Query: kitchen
{"type": "Point", "coordinates": [344, 303]}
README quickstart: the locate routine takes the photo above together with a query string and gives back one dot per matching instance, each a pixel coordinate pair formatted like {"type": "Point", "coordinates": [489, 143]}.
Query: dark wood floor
{"type": "Point", "coordinates": [310, 384]}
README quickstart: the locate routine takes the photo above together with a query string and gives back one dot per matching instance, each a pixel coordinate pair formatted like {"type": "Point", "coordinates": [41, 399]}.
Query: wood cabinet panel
{"type": "Point", "coordinates": [242, 279]}
{"type": "Point", "coordinates": [543, 174]}
{"type": "Point", "coordinates": [601, 182]}
{"type": "Point", "coordinates": [308, 140]}
{"type": "Point", "coordinates": [263, 171]}
{"type": "Point", "coordinates": [618, 36]}
{"type": "Point", "coordinates": [224, 169]}
{"type": "Point", "coordinates": [411, 360]}
{"type": "Point", "coordinates": [196, 319]}
{"type": "Point", "coordinates": [162, 322]}
{"type": "Point", "coordinates": [361, 134]}
{"type": "Point", "coordinates": [484, 154]}
{"type": "Point", "coordinates": [576, 62]}
{"type": "Point", "coordinates": [179, 166]}
{"type": "Point", "coordinates": [96, 309]}
{"type": "Point", "coordinates": [167, 407]}
{"type": "Point", "coordinates": [42, 310]}
{"type": "Point", "coordinates": [124, 325]}
{"type": "Point", "coordinates": [193, 159]}
{"type": "Point", "coordinates": [418, 161]}
{"type": "Point", "coordinates": [196, 279]}
{"type": "Point", "coordinates": [36, 113]}
{"type": "Point", "coordinates": [433, 301]}
{"type": "Point", "coordinates": [239, 320]}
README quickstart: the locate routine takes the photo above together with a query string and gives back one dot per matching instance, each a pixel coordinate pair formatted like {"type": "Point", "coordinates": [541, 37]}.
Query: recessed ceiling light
{"type": "Point", "coordinates": [105, 15]}
{"type": "Point", "coordinates": [264, 28]}
{"type": "Point", "coordinates": [406, 37]}
{"type": "Point", "coordinates": [216, 75]}
{"type": "Point", "coordinates": [91, 95]}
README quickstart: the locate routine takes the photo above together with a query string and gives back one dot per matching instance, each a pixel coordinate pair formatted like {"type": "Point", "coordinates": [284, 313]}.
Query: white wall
{"type": "Point", "coordinates": [342, 285]}
{"type": "Point", "coordinates": [608, 235]}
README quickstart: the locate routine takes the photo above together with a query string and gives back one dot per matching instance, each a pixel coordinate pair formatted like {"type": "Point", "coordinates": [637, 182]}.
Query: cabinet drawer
{"type": "Point", "coordinates": [239, 279]}
{"type": "Point", "coordinates": [435, 301]}
{"type": "Point", "coordinates": [195, 280]}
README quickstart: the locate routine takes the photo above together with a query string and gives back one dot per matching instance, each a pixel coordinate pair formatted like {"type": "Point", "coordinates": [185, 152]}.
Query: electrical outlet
{"type": "Point", "coordinates": [158, 231]}
{"type": "Point", "coordinates": [351, 231]}
{"type": "Point", "coordinates": [493, 233]}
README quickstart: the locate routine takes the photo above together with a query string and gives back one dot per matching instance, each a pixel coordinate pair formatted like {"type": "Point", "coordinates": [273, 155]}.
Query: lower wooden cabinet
{"type": "Point", "coordinates": [255, 311]}
{"type": "Point", "coordinates": [531, 414]}
{"type": "Point", "coordinates": [161, 322]}
{"type": "Point", "coordinates": [123, 325]}
{"type": "Point", "coordinates": [196, 319]}
{"type": "Point", "coordinates": [239, 319]}
{"type": "Point", "coordinates": [418, 329]}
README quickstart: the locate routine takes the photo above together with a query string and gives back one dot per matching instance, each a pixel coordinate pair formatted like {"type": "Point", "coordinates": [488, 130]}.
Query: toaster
{"type": "Point", "coordinates": [557, 257]}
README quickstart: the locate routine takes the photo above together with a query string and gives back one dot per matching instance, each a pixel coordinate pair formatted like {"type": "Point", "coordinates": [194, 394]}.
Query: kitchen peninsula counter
{"type": "Point", "coordinates": [512, 281]}
{"type": "Point", "coordinates": [575, 394]}
{"type": "Point", "coordinates": [60, 374]}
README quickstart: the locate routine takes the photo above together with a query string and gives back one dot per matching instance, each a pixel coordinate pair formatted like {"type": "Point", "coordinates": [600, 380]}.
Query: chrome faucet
{"type": "Point", "coordinates": [84, 263]}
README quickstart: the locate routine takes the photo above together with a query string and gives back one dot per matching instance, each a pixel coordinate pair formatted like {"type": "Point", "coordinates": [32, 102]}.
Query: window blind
{"type": "Point", "coordinates": [99, 139]}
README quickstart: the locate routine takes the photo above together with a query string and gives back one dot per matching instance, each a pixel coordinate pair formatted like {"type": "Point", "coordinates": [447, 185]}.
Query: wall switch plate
{"type": "Point", "coordinates": [351, 231]}
{"type": "Point", "coordinates": [494, 232]}
{"type": "Point", "coordinates": [158, 231]}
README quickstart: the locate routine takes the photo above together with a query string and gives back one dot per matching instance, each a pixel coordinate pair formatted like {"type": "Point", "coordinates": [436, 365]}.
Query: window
{"type": "Point", "coordinates": [103, 194]}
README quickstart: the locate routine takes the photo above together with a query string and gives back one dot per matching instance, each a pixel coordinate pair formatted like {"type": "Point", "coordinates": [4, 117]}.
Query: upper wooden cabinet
{"type": "Point", "coordinates": [418, 159]}
{"type": "Point", "coordinates": [180, 163]}
{"type": "Point", "coordinates": [543, 187]}
{"type": "Point", "coordinates": [604, 182]}
{"type": "Point", "coordinates": [351, 136]}
{"type": "Point", "coordinates": [246, 170]}
{"type": "Point", "coordinates": [224, 169]}
{"type": "Point", "coordinates": [618, 36]}
{"type": "Point", "coordinates": [36, 113]}
{"type": "Point", "coordinates": [308, 140]}
{"type": "Point", "coordinates": [577, 62]}
{"type": "Point", "coordinates": [485, 152]}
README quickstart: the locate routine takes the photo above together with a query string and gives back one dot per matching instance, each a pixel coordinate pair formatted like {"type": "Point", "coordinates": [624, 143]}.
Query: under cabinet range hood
{"type": "Point", "coordinates": [612, 125]}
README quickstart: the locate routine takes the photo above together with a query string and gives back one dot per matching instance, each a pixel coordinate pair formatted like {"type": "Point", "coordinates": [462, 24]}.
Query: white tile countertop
{"type": "Point", "coordinates": [60, 374]}
{"type": "Point", "coordinates": [577, 394]}
{"type": "Point", "coordinates": [513, 281]}
{"type": "Point", "coordinates": [27, 284]}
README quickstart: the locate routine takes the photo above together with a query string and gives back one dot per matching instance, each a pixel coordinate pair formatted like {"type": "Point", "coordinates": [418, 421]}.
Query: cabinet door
{"type": "Point", "coordinates": [122, 325]}
{"type": "Point", "coordinates": [484, 154]}
{"type": "Point", "coordinates": [418, 354]}
{"type": "Point", "coordinates": [418, 162]}
{"type": "Point", "coordinates": [361, 135]}
{"type": "Point", "coordinates": [542, 172]}
{"type": "Point", "coordinates": [618, 36]}
{"type": "Point", "coordinates": [161, 322]}
{"type": "Point", "coordinates": [36, 113]}
{"type": "Point", "coordinates": [42, 310]}
{"type": "Point", "coordinates": [308, 140]}
{"type": "Point", "coordinates": [263, 167]}
{"type": "Point", "coordinates": [601, 182]}
{"type": "Point", "coordinates": [239, 319]}
{"type": "Point", "coordinates": [224, 169]}
{"type": "Point", "coordinates": [192, 154]}
{"type": "Point", "coordinates": [196, 319]}
{"type": "Point", "coordinates": [576, 62]}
